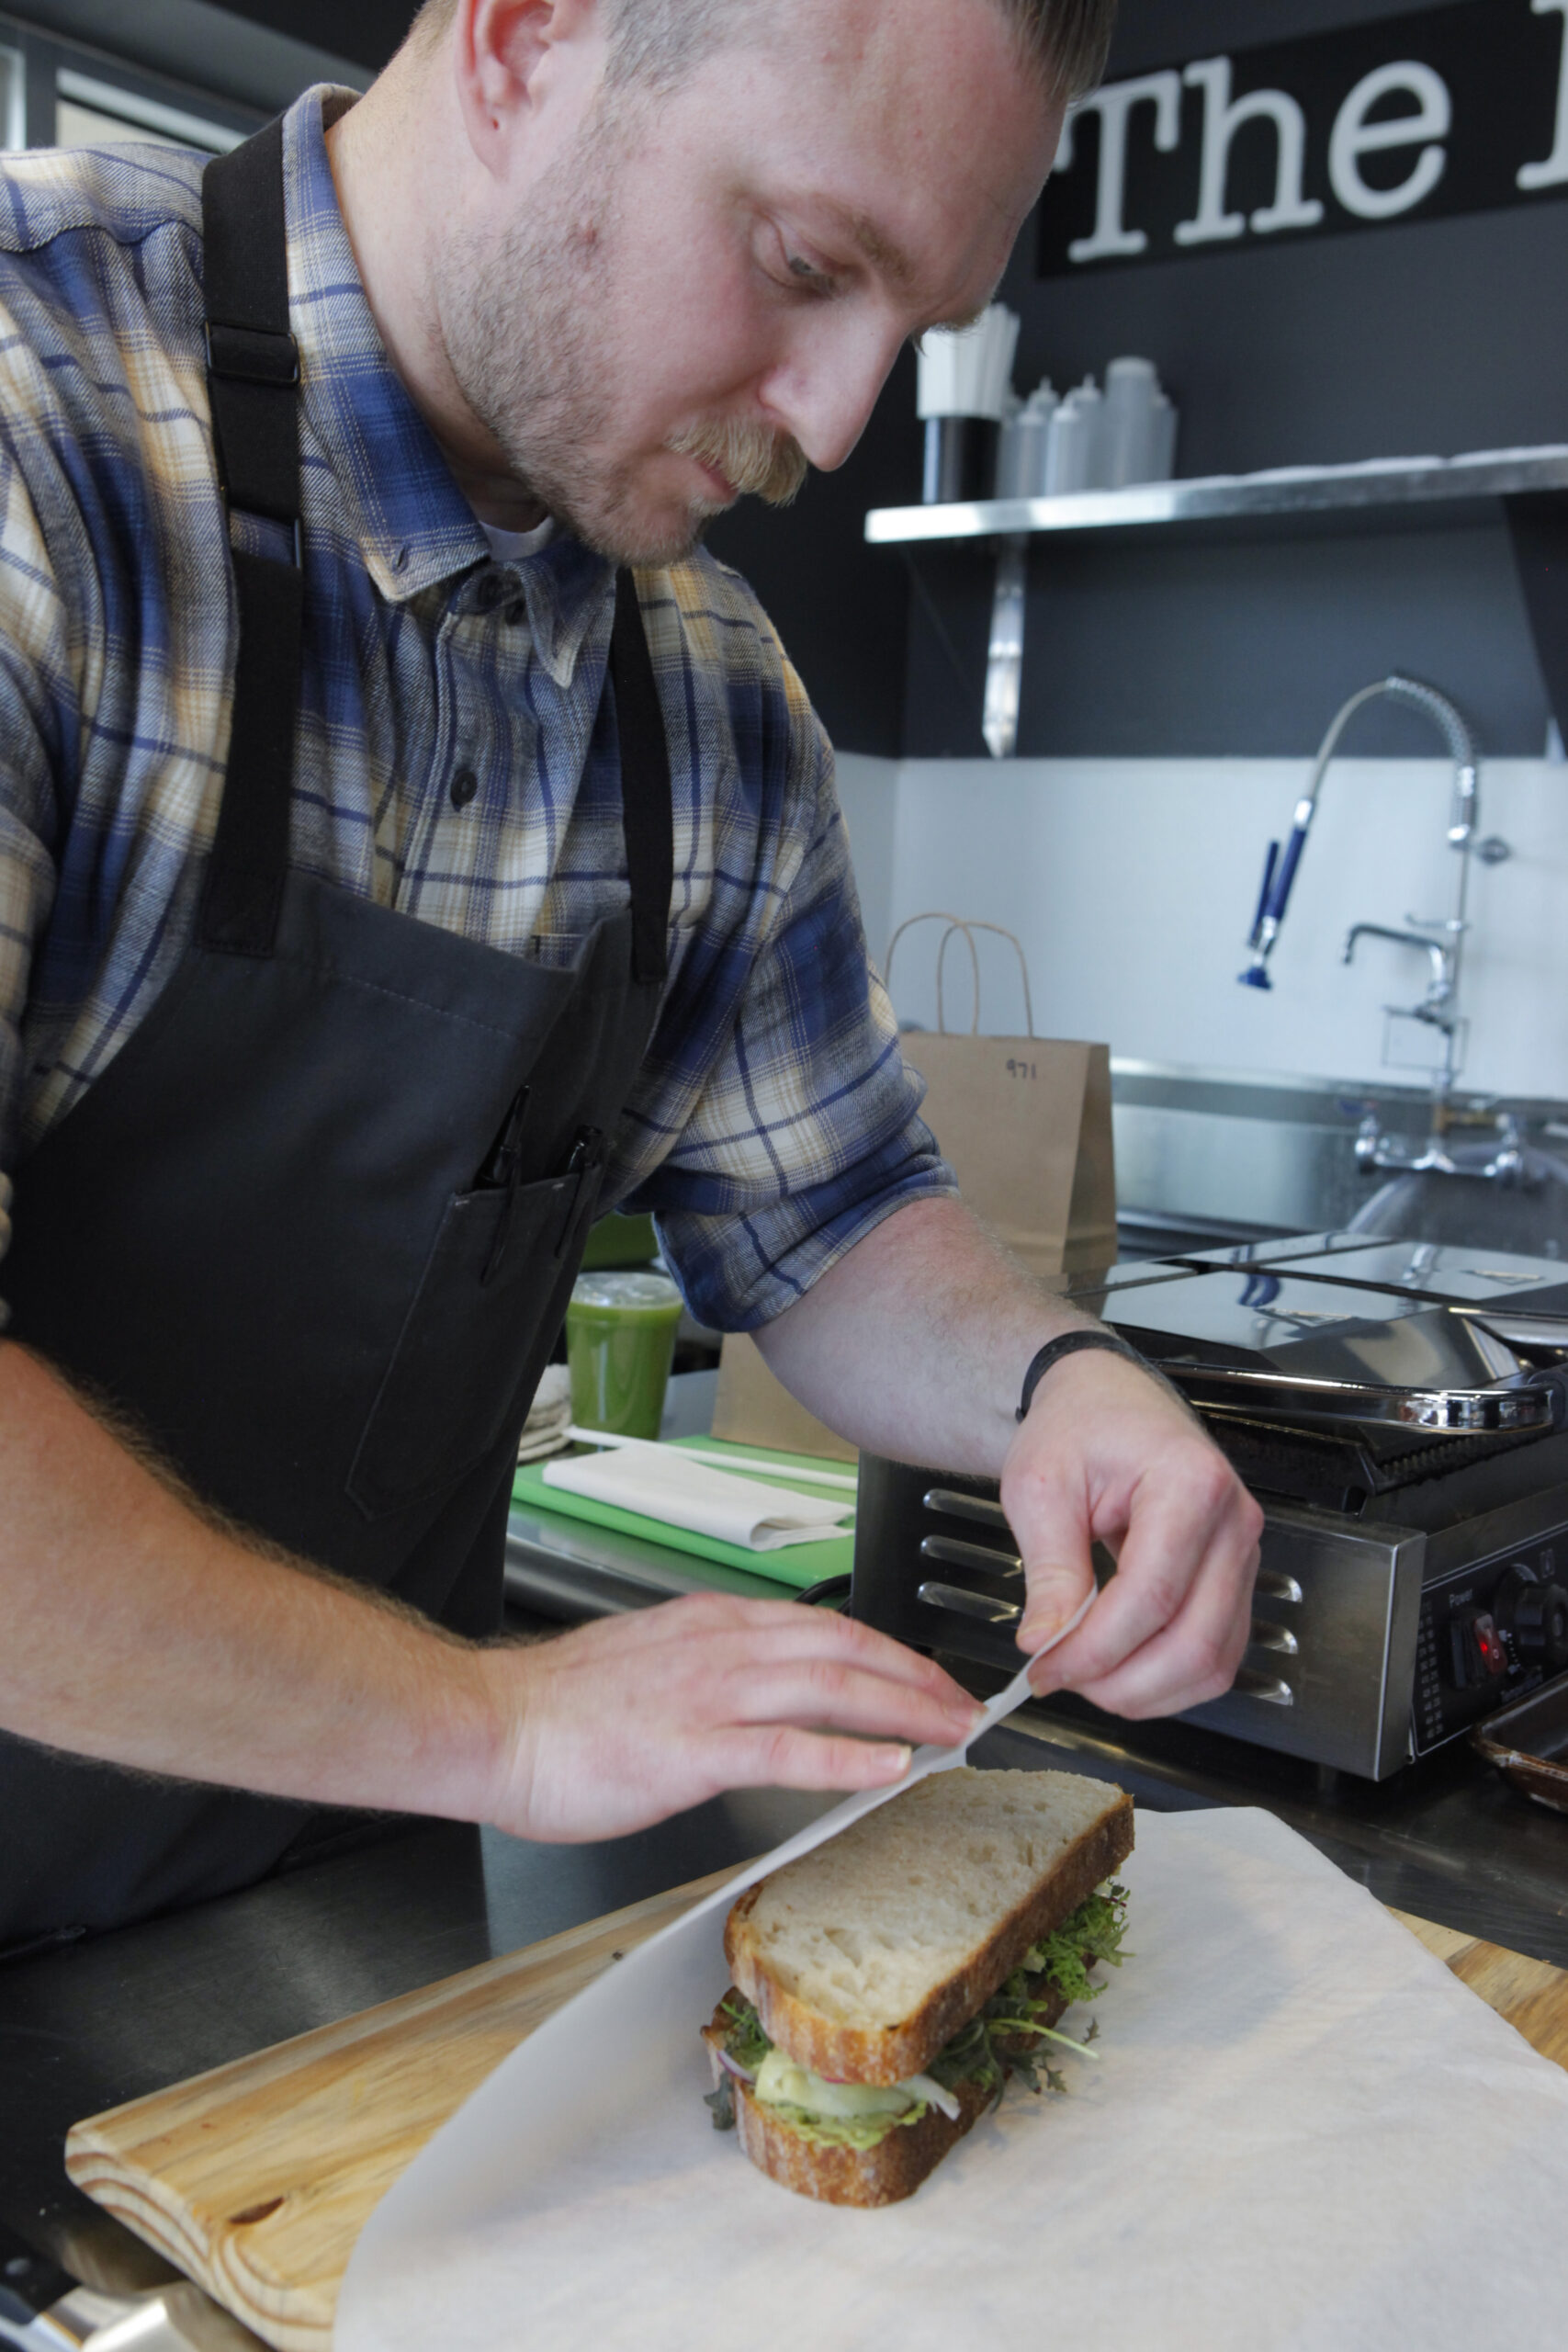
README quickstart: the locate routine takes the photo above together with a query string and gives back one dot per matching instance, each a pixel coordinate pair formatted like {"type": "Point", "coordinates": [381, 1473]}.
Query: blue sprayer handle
{"type": "Point", "coordinates": [1269, 862]}
{"type": "Point", "coordinates": [1286, 874]}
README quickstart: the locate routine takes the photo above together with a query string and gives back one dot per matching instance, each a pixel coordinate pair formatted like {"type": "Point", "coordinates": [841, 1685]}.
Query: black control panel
{"type": "Point", "coordinates": [1489, 1632]}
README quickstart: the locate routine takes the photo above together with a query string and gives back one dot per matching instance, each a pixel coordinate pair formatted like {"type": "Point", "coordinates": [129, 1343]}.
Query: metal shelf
{"type": "Point", "coordinates": [1328, 490]}
{"type": "Point", "coordinates": [1531, 485]}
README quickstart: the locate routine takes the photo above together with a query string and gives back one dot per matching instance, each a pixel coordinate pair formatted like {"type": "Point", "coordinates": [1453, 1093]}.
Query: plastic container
{"type": "Point", "coordinates": [620, 1341]}
{"type": "Point", "coordinates": [1024, 448]}
{"type": "Point", "coordinates": [1076, 453]}
{"type": "Point", "coordinates": [960, 459]}
{"type": "Point", "coordinates": [1140, 425]}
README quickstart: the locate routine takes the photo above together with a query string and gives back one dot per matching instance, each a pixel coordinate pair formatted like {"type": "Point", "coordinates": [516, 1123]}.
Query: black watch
{"type": "Point", "coordinates": [1068, 1344]}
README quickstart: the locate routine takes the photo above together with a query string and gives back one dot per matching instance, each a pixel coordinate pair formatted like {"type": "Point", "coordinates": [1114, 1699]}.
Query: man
{"type": "Point", "coordinates": [388, 884]}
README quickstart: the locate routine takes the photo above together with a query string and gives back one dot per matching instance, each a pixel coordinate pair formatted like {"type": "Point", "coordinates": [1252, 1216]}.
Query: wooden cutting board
{"type": "Point", "coordinates": [257, 2178]}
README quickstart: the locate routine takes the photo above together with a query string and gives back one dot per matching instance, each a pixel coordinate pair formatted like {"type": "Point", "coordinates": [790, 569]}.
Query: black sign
{"type": "Point", "coordinates": [1454, 110]}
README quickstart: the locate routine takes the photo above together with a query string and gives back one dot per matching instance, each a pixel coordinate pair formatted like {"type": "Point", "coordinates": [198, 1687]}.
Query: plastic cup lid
{"type": "Point", "coordinates": [625, 1290]}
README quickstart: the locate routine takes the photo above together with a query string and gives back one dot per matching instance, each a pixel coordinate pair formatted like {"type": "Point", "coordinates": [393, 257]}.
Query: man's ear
{"type": "Point", "coordinates": [515, 62]}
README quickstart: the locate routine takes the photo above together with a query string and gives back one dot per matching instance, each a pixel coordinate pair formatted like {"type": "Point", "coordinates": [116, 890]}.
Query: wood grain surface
{"type": "Point", "coordinates": [257, 2179]}
{"type": "Point", "coordinates": [1531, 1994]}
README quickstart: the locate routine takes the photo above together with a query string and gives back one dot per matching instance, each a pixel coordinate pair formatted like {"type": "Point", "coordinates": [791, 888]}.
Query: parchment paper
{"type": "Point", "coordinates": [1301, 2132]}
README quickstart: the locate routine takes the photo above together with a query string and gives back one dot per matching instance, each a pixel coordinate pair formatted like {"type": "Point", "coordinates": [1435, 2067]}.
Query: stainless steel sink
{"type": "Point", "coordinates": [1235, 1156]}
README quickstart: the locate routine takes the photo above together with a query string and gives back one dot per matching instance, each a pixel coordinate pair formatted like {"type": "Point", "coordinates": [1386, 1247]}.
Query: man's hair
{"type": "Point", "coordinates": [658, 40]}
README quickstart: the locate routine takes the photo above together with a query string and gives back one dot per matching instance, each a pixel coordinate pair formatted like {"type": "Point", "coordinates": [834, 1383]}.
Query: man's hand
{"type": "Point", "coordinates": [1107, 1456]}
{"type": "Point", "coordinates": [628, 1719]}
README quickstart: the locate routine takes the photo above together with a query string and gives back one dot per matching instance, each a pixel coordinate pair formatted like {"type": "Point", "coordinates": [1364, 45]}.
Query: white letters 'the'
{"type": "Point", "coordinates": [1113, 106]}
{"type": "Point", "coordinates": [1354, 136]}
{"type": "Point", "coordinates": [1223, 117]}
{"type": "Point", "coordinates": [1554, 171]}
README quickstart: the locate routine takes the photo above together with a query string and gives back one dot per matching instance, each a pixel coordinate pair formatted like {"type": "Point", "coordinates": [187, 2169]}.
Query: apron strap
{"type": "Point", "coordinates": [253, 375]}
{"type": "Point", "coordinates": [647, 810]}
{"type": "Point", "coordinates": [253, 380]}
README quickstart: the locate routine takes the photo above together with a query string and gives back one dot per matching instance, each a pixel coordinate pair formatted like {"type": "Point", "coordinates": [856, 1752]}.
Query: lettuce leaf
{"type": "Point", "coordinates": [745, 2042]}
{"type": "Point", "coordinates": [1092, 1932]}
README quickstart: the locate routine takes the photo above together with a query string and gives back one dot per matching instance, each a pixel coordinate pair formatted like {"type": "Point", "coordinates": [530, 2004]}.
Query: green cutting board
{"type": "Point", "coordinates": [797, 1566]}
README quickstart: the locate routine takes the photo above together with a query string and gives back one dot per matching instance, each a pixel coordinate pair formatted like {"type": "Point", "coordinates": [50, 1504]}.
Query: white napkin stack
{"type": "Point", "coordinates": [660, 1482]}
{"type": "Point", "coordinates": [967, 371]}
{"type": "Point", "coordinates": [549, 1415]}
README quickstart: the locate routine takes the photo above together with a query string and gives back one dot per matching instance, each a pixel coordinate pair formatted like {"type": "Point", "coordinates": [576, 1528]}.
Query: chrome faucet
{"type": "Point", "coordinates": [1441, 939]}
{"type": "Point", "coordinates": [1436, 1005]}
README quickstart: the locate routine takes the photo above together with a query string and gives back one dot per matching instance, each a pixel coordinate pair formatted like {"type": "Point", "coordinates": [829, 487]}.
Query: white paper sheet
{"type": "Point", "coordinates": [1303, 2135]}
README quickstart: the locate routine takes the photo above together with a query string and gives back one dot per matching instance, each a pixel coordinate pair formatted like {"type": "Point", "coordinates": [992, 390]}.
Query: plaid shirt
{"type": "Point", "coordinates": [773, 1123]}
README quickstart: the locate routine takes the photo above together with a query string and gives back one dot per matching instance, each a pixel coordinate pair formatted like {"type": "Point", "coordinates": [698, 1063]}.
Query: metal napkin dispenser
{"type": "Point", "coordinates": [1405, 1430]}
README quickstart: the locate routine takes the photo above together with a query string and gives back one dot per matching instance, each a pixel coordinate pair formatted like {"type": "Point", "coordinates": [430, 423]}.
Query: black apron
{"type": "Point", "coordinates": [315, 1226]}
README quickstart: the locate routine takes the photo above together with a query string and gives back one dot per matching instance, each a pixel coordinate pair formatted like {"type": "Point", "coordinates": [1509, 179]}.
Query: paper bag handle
{"type": "Point", "coordinates": [968, 927]}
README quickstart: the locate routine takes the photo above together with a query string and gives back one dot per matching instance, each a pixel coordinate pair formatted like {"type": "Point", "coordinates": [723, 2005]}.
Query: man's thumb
{"type": "Point", "coordinates": [1056, 1589]}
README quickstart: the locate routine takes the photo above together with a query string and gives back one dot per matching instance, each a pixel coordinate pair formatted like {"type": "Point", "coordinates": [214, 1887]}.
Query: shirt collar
{"type": "Point", "coordinates": [415, 527]}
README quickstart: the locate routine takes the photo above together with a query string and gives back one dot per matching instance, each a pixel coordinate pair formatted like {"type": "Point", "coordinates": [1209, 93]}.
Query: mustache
{"type": "Point", "coordinates": [772, 465]}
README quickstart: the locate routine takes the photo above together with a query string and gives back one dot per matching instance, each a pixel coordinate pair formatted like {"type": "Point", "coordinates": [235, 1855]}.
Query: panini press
{"type": "Point", "coordinates": [1400, 1411]}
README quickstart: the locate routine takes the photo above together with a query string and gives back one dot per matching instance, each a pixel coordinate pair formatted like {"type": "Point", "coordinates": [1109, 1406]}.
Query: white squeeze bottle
{"type": "Point", "coordinates": [1076, 455]}
{"type": "Point", "coordinates": [1140, 424]}
{"type": "Point", "coordinates": [1020, 460]}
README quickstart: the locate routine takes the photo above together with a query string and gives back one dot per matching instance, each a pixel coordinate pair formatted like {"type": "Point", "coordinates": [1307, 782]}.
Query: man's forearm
{"type": "Point", "coordinates": [916, 1343]}
{"type": "Point", "coordinates": [139, 1632]}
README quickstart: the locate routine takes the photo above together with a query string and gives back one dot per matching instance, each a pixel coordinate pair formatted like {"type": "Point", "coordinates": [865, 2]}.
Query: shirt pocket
{"type": "Point", "coordinates": [487, 1307]}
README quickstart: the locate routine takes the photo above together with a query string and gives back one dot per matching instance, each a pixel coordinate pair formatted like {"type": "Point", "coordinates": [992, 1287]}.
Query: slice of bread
{"type": "Point", "coordinates": [867, 1955]}
{"type": "Point", "coordinates": [880, 2176]}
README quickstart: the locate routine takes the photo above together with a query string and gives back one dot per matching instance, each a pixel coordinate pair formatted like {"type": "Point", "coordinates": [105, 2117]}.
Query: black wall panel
{"type": "Point", "coordinates": [841, 606]}
{"type": "Point", "coordinates": [365, 30]}
{"type": "Point", "coordinates": [1418, 338]}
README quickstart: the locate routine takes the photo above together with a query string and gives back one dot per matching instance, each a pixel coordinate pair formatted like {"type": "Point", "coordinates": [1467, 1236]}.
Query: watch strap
{"type": "Point", "coordinates": [1072, 1343]}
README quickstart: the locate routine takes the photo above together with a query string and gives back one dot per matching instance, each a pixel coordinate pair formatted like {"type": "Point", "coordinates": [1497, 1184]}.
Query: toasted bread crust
{"type": "Point", "coordinates": [880, 2176]}
{"type": "Point", "coordinates": [890, 2054]}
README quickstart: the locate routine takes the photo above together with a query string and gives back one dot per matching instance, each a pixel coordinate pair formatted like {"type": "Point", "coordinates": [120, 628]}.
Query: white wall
{"type": "Point", "coordinates": [1132, 885]}
{"type": "Point", "coordinates": [869, 796]}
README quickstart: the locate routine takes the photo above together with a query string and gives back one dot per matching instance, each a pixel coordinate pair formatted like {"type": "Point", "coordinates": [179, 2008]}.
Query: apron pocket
{"type": "Point", "coordinates": [501, 1259]}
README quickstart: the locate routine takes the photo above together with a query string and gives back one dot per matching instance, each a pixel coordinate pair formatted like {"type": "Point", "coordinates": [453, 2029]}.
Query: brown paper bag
{"type": "Point", "coordinates": [754, 1407]}
{"type": "Point", "coordinates": [1025, 1123]}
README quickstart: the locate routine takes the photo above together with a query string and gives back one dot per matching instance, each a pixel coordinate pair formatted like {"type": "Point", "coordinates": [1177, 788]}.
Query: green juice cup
{"type": "Point", "coordinates": [620, 1338]}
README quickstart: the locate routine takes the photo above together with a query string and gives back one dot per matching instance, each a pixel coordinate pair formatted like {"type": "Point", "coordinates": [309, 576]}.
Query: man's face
{"type": "Point", "coordinates": [705, 289]}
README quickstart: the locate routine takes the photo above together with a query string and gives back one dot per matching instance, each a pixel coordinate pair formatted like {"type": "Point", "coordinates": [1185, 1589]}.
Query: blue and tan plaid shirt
{"type": "Point", "coordinates": [773, 1123]}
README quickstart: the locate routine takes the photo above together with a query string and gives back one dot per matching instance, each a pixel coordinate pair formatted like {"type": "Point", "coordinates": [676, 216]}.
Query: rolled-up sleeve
{"type": "Point", "coordinates": [807, 1132]}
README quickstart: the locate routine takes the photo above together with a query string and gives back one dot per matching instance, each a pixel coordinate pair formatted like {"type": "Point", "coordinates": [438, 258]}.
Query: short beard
{"type": "Point", "coordinates": [517, 325]}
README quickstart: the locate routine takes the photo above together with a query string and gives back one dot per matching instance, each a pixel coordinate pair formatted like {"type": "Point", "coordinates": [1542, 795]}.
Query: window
{"type": "Point", "coordinates": [13, 99]}
{"type": "Point", "coordinates": [91, 113]}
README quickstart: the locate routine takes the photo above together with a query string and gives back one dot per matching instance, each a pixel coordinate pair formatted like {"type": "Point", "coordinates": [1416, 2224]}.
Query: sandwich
{"type": "Point", "coordinates": [888, 1984]}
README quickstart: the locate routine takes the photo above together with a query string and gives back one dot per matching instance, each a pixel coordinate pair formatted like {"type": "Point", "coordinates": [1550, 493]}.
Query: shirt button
{"type": "Point", "coordinates": [465, 784]}
{"type": "Point", "coordinates": [491, 590]}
